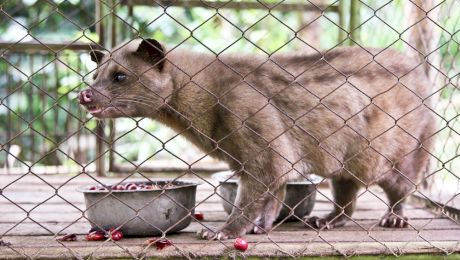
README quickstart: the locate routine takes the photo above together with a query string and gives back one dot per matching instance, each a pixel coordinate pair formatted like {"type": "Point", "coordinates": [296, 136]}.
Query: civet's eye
{"type": "Point", "coordinates": [119, 77]}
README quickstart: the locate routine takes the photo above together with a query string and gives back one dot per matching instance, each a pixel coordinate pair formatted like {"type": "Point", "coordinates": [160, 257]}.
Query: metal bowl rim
{"type": "Point", "coordinates": [222, 177]}
{"type": "Point", "coordinates": [188, 183]}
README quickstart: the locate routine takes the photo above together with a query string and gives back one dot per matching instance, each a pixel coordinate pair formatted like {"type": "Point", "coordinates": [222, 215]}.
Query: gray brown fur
{"type": "Point", "coordinates": [344, 115]}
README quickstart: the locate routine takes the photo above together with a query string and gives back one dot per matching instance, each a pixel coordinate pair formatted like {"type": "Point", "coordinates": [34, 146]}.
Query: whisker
{"type": "Point", "coordinates": [121, 91]}
{"type": "Point", "coordinates": [134, 98]}
{"type": "Point", "coordinates": [122, 95]}
{"type": "Point", "coordinates": [135, 101]}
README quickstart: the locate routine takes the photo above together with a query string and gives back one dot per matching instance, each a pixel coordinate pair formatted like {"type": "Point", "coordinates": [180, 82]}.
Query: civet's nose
{"type": "Point", "coordinates": [85, 96]}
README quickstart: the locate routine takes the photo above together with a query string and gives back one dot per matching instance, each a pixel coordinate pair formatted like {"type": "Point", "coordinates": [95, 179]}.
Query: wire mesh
{"type": "Point", "coordinates": [274, 91]}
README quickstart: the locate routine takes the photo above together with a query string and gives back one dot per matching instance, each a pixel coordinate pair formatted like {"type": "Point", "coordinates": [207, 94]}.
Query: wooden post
{"type": "Point", "coordinates": [100, 164]}
{"type": "Point", "coordinates": [100, 161]}
{"type": "Point", "coordinates": [131, 22]}
{"type": "Point", "coordinates": [99, 24]}
{"type": "Point", "coordinates": [113, 42]}
{"type": "Point", "coordinates": [111, 141]}
{"type": "Point", "coordinates": [355, 20]}
{"type": "Point", "coordinates": [341, 13]}
{"type": "Point", "coordinates": [113, 25]}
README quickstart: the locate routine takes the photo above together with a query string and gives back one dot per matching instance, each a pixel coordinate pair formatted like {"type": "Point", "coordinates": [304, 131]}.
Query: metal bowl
{"type": "Point", "coordinates": [142, 212]}
{"type": "Point", "coordinates": [300, 195]}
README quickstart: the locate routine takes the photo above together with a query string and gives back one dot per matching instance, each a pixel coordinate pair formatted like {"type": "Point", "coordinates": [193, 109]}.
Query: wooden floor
{"type": "Point", "coordinates": [44, 210]}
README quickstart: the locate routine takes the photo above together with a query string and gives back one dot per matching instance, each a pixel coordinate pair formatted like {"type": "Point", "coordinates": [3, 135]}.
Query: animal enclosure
{"type": "Point", "coordinates": [51, 146]}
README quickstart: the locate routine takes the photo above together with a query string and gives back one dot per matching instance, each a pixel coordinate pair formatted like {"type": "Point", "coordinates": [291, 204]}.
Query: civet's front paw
{"type": "Point", "coordinates": [260, 227]}
{"type": "Point", "coordinates": [329, 222]}
{"type": "Point", "coordinates": [216, 235]}
{"type": "Point", "coordinates": [392, 220]}
{"type": "Point", "coordinates": [317, 222]}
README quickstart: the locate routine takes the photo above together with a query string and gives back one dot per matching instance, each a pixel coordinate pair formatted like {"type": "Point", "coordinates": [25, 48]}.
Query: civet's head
{"type": "Point", "coordinates": [129, 81]}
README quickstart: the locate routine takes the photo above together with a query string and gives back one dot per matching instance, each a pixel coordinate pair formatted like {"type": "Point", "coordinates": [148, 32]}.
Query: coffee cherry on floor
{"type": "Point", "coordinates": [116, 235]}
{"type": "Point", "coordinates": [96, 236]}
{"type": "Point", "coordinates": [66, 238]}
{"type": "Point", "coordinates": [199, 215]}
{"type": "Point", "coordinates": [159, 243]}
{"type": "Point", "coordinates": [240, 244]}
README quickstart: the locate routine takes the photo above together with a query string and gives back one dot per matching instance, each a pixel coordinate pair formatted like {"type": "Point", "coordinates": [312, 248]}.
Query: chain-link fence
{"type": "Point", "coordinates": [280, 93]}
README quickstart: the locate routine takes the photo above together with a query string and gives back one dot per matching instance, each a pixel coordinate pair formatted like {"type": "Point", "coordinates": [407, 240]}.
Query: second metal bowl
{"type": "Point", "coordinates": [300, 195]}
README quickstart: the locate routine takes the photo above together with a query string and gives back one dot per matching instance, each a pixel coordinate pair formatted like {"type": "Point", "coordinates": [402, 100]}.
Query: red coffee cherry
{"type": "Point", "coordinates": [199, 215]}
{"type": "Point", "coordinates": [116, 235]}
{"type": "Point", "coordinates": [66, 238]}
{"type": "Point", "coordinates": [159, 243]}
{"type": "Point", "coordinates": [240, 244]}
{"type": "Point", "coordinates": [96, 236]}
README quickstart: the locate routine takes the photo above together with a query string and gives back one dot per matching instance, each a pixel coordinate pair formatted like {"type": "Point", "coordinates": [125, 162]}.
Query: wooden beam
{"type": "Point", "coordinates": [48, 47]}
{"type": "Point", "coordinates": [242, 5]}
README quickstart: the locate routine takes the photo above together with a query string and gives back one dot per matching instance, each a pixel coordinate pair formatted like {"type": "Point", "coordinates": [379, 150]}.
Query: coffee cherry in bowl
{"type": "Point", "coordinates": [130, 186]}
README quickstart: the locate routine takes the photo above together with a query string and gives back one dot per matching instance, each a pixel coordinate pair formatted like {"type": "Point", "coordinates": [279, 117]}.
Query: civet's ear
{"type": "Point", "coordinates": [96, 56]}
{"type": "Point", "coordinates": [151, 51]}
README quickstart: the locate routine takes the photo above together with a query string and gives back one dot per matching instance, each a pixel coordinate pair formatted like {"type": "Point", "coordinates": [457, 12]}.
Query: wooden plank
{"type": "Point", "coordinates": [361, 225]}
{"type": "Point", "coordinates": [43, 228]}
{"type": "Point", "coordinates": [76, 224]}
{"type": "Point", "coordinates": [66, 213]}
{"type": "Point", "coordinates": [48, 209]}
{"type": "Point", "coordinates": [135, 248]}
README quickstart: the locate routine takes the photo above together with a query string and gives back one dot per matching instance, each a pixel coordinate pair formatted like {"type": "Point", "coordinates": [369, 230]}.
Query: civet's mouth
{"type": "Point", "coordinates": [107, 111]}
{"type": "Point", "coordinates": [95, 109]}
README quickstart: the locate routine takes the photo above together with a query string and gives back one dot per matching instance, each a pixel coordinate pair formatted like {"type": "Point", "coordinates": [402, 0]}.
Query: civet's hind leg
{"type": "Point", "coordinates": [344, 192]}
{"type": "Point", "coordinates": [251, 200]}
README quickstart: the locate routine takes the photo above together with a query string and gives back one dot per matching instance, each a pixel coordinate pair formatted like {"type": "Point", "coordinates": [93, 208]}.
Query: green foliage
{"type": "Point", "coordinates": [49, 21]}
{"type": "Point", "coordinates": [36, 92]}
